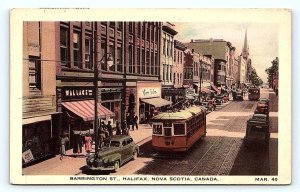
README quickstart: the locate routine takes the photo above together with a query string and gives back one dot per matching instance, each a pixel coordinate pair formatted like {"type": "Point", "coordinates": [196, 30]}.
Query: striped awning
{"type": "Point", "coordinates": [157, 102]}
{"type": "Point", "coordinates": [85, 109]}
{"type": "Point", "coordinates": [215, 88]}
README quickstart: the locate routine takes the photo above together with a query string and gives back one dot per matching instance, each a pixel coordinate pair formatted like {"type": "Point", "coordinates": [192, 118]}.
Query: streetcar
{"type": "Point", "coordinates": [253, 94]}
{"type": "Point", "coordinates": [179, 130]}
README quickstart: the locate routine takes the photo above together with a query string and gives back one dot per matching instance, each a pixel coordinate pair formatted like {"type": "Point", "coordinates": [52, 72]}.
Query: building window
{"type": "Point", "coordinates": [64, 46]}
{"type": "Point", "coordinates": [103, 54]}
{"type": "Point", "coordinates": [164, 71]}
{"type": "Point", "coordinates": [156, 64]}
{"type": "Point", "coordinates": [131, 59]}
{"type": "Point", "coordinates": [120, 26]}
{"type": "Point", "coordinates": [153, 33]}
{"type": "Point", "coordinates": [174, 76]}
{"type": "Point", "coordinates": [112, 24]}
{"type": "Point", "coordinates": [219, 66]}
{"type": "Point", "coordinates": [77, 48]}
{"type": "Point", "coordinates": [34, 73]}
{"type": "Point", "coordinates": [174, 55]}
{"type": "Point", "coordinates": [167, 73]}
{"type": "Point", "coordinates": [168, 47]}
{"type": "Point", "coordinates": [143, 61]}
{"type": "Point", "coordinates": [171, 49]}
{"type": "Point", "coordinates": [147, 62]}
{"type": "Point", "coordinates": [138, 60]}
{"type": "Point", "coordinates": [144, 31]}
{"type": "Point", "coordinates": [148, 33]}
{"type": "Point", "coordinates": [112, 52]}
{"type": "Point", "coordinates": [139, 29]}
{"type": "Point", "coordinates": [130, 27]}
{"type": "Point", "coordinates": [164, 46]}
{"type": "Point", "coordinates": [152, 64]}
{"type": "Point", "coordinates": [87, 49]}
{"type": "Point", "coordinates": [119, 59]}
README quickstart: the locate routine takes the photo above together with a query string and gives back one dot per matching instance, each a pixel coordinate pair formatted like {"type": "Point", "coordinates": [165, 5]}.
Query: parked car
{"type": "Point", "coordinates": [117, 150]}
{"type": "Point", "coordinates": [219, 99]}
{"type": "Point", "coordinates": [262, 106]}
{"type": "Point", "coordinates": [258, 123]}
{"type": "Point", "coordinates": [208, 106]}
{"type": "Point", "coordinates": [225, 98]}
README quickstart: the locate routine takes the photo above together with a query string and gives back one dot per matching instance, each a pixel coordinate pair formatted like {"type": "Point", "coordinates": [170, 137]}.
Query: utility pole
{"type": "Point", "coordinates": [96, 89]}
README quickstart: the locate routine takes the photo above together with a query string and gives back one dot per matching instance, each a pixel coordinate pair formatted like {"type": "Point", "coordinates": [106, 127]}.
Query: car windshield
{"type": "Point", "coordinates": [112, 143]}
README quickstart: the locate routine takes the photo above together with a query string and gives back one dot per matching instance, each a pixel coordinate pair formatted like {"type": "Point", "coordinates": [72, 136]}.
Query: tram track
{"type": "Point", "coordinates": [177, 165]}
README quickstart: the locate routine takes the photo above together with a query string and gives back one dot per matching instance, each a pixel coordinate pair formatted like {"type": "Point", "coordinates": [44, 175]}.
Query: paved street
{"type": "Point", "coordinates": [221, 152]}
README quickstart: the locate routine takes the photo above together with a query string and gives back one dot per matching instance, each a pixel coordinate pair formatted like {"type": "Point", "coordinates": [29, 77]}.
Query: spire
{"type": "Point", "coordinates": [245, 48]}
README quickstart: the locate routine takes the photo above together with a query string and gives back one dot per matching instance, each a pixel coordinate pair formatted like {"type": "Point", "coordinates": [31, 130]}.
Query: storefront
{"type": "Point", "coordinates": [149, 100]}
{"type": "Point", "coordinates": [37, 138]}
{"type": "Point", "coordinates": [78, 114]}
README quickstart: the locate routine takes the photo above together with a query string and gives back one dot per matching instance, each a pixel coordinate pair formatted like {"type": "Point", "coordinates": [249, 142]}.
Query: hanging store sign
{"type": "Point", "coordinates": [27, 156]}
{"type": "Point", "coordinates": [149, 92]}
{"type": "Point", "coordinates": [70, 93]}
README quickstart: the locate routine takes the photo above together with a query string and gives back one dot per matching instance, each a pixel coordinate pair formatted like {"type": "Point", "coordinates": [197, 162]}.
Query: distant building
{"type": "Point", "coordinates": [219, 49]}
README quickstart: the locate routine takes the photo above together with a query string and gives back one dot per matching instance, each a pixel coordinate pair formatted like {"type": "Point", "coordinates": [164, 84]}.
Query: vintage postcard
{"type": "Point", "coordinates": [150, 96]}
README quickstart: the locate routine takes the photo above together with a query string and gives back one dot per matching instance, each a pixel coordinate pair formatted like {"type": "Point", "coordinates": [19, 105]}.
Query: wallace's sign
{"type": "Point", "coordinates": [69, 93]}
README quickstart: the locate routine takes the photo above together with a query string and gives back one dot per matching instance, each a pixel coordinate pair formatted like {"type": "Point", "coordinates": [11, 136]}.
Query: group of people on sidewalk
{"type": "Point", "coordinates": [104, 131]}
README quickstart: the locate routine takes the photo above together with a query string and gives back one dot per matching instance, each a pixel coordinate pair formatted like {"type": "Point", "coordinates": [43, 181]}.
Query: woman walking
{"type": "Point", "coordinates": [88, 143]}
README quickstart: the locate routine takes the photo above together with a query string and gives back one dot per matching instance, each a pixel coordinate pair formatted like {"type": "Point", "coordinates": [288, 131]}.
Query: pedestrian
{"type": "Point", "coordinates": [101, 137]}
{"type": "Point", "coordinates": [135, 122]}
{"type": "Point", "coordinates": [128, 121]}
{"type": "Point", "coordinates": [63, 141]}
{"type": "Point", "coordinates": [109, 129]}
{"type": "Point", "coordinates": [124, 128]}
{"type": "Point", "coordinates": [118, 128]}
{"type": "Point", "coordinates": [77, 144]}
{"type": "Point", "coordinates": [104, 128]}
{"type": "Point", "coordinates": [88, 143]}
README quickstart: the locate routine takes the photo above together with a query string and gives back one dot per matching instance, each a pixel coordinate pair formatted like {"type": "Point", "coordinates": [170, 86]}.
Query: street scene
{"type": "Point", "coordinates": [221, 152]}
{"type": "Point", "coordinates": [149, 98]}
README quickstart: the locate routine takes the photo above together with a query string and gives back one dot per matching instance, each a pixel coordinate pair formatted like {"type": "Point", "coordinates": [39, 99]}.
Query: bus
{"type": "Point", "coordinates": [179, 130]}
{"type": "Point", "coordinates": [253, 94]}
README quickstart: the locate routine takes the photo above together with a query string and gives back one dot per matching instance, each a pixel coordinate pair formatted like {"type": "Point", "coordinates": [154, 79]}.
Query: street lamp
{"type": "Point", "coordinates": [110, 63]}
{"type": "Point", "coordinates": [200, 78]}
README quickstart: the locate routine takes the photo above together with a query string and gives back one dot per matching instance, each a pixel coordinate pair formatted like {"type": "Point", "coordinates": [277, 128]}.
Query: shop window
{"type": "Point", "coordinates": [64, 46]}
{"type": "Point", "coordinates": [77, 48]}
{"type": "Point", "coordinates": [87, 55]}
{"type": "Point", "coordinates": [34, 73]}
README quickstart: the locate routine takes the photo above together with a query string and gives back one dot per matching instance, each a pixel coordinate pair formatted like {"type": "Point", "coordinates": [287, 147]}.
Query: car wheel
{"type": "Point", "coordinates": [135, 154]}
{"type": "Point", "coordinates": [116, 166]}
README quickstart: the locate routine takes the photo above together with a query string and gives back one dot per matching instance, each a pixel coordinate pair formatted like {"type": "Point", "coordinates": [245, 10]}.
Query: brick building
{"type": "Point", "coordinates": [39, 115]}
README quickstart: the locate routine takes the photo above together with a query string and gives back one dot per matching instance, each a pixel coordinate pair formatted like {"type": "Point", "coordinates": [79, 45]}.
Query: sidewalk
{"type": "Point", "coordinates": [71, 164]}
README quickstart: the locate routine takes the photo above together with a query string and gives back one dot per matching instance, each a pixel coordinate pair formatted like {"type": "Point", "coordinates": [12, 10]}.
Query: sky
{"type": "Point", "coordinates": [262, 39]}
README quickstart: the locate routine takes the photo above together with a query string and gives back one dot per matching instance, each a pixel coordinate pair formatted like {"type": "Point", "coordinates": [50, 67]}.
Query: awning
{"type": "Point", "coordinates": [215, 88]}
{"type": "Point", "coordinates": [157, 102]}
{"type": "Point", "coordinates": [85, 109]}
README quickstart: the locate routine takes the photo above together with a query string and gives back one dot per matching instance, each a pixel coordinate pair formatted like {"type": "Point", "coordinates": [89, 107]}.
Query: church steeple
{"type": "Point", "coordinates": [246, 47]}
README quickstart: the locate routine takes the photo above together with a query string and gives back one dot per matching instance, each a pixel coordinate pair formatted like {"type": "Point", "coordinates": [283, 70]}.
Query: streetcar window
{"type": "Point", "coordinates": [168, 131]}
{"type": "Point", "coordinates": [179, 129]}
{"type": "Point", "coordinates": [157, 129]}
